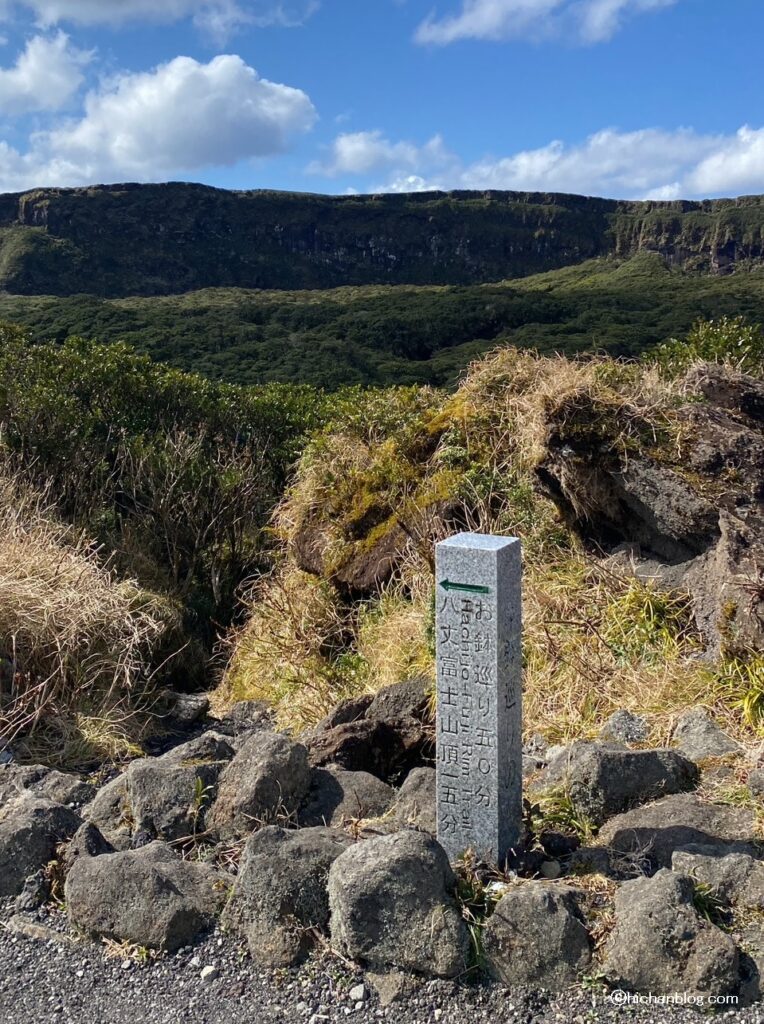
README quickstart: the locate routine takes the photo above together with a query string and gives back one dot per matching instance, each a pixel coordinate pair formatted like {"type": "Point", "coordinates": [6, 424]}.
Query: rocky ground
{"type": "Point", "coordinates": [53, 978]}
{"type": "Point", "coordinates": [241, 874]}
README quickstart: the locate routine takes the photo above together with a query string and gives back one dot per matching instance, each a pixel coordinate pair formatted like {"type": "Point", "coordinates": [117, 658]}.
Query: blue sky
{"type": "Point", "coordinates": [623, 98]}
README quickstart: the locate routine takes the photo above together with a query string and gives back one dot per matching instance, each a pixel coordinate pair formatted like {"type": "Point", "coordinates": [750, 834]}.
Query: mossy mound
{"type": "Point", "coordinates": [592, 464]}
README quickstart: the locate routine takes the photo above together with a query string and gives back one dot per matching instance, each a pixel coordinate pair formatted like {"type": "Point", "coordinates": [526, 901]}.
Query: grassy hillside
{"type": "Point", "coordinates": [405, 334]}
{"type": "Point", "coordinates": [140, 503]}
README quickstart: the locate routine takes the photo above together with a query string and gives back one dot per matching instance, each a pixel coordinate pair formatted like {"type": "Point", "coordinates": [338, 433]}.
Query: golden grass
{"type": "Point", "coordinates": [392, 640]}
{"type": "Point", "coordinates": [292, 651]}
{"type": "Point", "coordinates": [77, 641]}
{"type": "Point", "coordinates": [608, 642]}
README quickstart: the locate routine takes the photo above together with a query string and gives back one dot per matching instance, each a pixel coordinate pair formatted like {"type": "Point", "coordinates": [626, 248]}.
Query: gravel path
{"type": "Point", "coordinates": [58, 980]}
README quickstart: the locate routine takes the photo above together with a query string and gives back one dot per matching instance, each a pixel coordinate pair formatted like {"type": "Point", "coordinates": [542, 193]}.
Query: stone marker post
{"type": "Point", "coordinates": [479, 690]}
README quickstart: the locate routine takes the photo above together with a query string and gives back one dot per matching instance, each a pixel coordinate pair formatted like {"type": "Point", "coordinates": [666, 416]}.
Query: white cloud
{"type": "Point", "coordinates": [94, 12]}
{"type": "Point", "coordinates": [645, 164]}
{"type": "Point", "coordinates": [179, 118]}
{"type": "Point", "coordinates": [221, 20]}
{"type": "Point", "coordinates": [371, 152]}
{"type": "Point", "coordinates": [587, 21]}
{"type": "Point", "coordinates": [607, 163]}
{"type": "Point", "coordinates": [737, 166]}
{"type": "Point", "coordinates": [46, 75]}
{"type": "Point", "coordinates": [220, 17]}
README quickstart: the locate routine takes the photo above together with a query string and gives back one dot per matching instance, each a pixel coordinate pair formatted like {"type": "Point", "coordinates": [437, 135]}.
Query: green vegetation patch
{"type": "Point", "coordinates": [401, 335]}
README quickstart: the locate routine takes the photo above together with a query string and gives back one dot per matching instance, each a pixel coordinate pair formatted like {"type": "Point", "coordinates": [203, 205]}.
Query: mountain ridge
{"type": "Point", "coordinates": [171, 238]}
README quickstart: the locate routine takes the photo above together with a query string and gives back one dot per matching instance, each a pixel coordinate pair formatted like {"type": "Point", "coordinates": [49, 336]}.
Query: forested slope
{"type": "Point", "coordinates": [402, 334]}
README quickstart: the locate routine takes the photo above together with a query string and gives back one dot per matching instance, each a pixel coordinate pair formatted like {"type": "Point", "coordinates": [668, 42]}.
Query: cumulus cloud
{"type": "Point", "coordinates": [645, 164]}
{"type": "Point", "coordinates": [178, 118]}
{"type": "Point", "coordinates": [587, 21]}
{"type": "Point", "coordinates": [220, 17]}
{"type": "Point", "coordinates": [371, 152]}
{"type": "Point", "coordinates": [46, 75]}
{"type": "Point", "coordinates": [735, 166]}
{"type": "Point", "coordinates": [607, 163]}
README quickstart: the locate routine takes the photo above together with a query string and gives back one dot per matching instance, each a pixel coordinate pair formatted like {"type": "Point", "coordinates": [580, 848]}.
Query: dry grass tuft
{"type": "Point", "coordinates": [292, 651]}
{"type": "Point", "coordinates": [124, 950]}
{"type": "Point", "coordinates": [75, 640]}
{"type": "Point", "coordinates": [394, 639]}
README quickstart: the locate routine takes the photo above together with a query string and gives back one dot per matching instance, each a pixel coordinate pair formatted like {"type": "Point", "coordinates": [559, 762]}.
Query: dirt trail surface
{"type": "Point", "coordinates": [56, 979]}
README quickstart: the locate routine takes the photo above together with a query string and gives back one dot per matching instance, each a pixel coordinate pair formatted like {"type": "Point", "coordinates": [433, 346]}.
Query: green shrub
{"type": "Point", "coordinates": [729, 340]}
{"type": "Point", "coordinates": [174, 473]}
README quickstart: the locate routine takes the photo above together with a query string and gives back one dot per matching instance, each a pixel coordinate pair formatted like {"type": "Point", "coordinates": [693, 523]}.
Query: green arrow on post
{"type": "Point", "coordinates": [469, 588]}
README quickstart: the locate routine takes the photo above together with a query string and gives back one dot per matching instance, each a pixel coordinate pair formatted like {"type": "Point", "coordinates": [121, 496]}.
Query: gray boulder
{"type": "Point", "coordinates": [110, 813]}
{"type": "Point", "coordinates": [391, 906]}
{"type": "Point", "coordinates": [697, 736]}
{"type": "Point", "coordinates": [535, 755]}
{"type": "Point", "coordinates": [352, 709]}
{"type": "Point", "coordinates": [736, 877]}
{"type": "Point", "coordinates": [280, 895]}
{"type": "Point", "coordinates": [61, 787]}
{"type": "Point", "coordinates": [388, 750]}
{"type": "Point", "coordinates": [245, 717]}
{"type": "Point", "coordinates": [270, 774]}
{"type": "Point", "coordinates": [749, 934]}
{"type": "Point", "coordinates": [169, 799]}
{"type": "Point", "coordinates": [337, 795]}
{"type": "Point", "coordinates": [31, 828]}
{"type": "Point", "coordinates": [648, 836]}
{"type": "Point", "coordinates": [211, 747]}
{"type": "Point", "coordinates": [589, 860]}
{"type": "Point", "coordinates": [536, 938]}
{"type": "Point", "coordinates": [35, 893]}
{"type": "Point", "coordinates": [756, 782]}
{"type": "Point", "coordinates": [393, 986]}
{"type": "Point", "coordinates": [87, 841]}
{"type": "Point", "coordinates": [387, 734]}
{"type": "Point", "coordinates": [148, 897]}
{"type": "Point", "coordinates": [625, 727]}
{"type": "Point", "coordinates": [187, 708]}
{"type": "Point", "coordinates": [556, 751]}
{"type": "Point", "coordinates": [531, 765]}
{"type": "Point", "coordinates": [603, 781]}
{"type": "Point", "coordinates": [165, 797]}
{"type": "Point", "coordinates": [536, 746]}
{"type": "Point", "coordinates": [402, 700]}
{"type": "Point", "coordinates": [415, 805]}
{"type": "Point", "coordinates": [660, 944]}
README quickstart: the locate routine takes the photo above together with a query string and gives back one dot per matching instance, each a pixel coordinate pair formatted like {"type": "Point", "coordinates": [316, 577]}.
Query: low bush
{"type": "Point", "coordinates": [174, 474]}
{"type": "Point", "coordinates": [731, 341]}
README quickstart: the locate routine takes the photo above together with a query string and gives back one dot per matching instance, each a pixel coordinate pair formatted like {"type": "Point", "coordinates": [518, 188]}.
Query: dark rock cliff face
{"type": "Point", "coordinates": [162, 239]}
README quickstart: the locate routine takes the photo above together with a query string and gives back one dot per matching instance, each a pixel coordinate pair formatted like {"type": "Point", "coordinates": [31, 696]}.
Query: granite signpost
{"type": "Point", "coordinates": [479, 690]}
